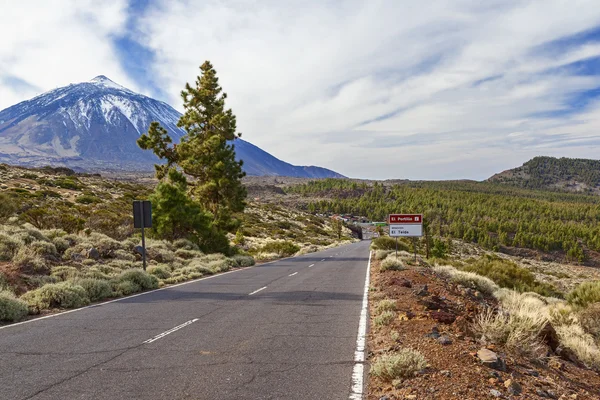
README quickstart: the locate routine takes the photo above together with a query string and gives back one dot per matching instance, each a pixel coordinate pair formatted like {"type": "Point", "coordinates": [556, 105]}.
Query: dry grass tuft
{"type": "Point", "coordinates": [402, 365]}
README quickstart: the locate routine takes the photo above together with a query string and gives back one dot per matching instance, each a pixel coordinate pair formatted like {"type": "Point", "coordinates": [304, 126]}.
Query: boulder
{"type": "Point", "coordinates": [93, 254]}
{"type": "Point", "coordinates": [491, 359]}
{"type": "Point", "coordinates": [443, 317]}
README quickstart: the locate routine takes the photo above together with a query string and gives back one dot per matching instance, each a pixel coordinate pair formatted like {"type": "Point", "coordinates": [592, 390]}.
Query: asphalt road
{"type": "Point", "coordinates": [285, 330]}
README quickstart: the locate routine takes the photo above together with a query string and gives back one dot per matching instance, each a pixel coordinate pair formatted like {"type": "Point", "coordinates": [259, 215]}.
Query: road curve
{"type": "Point", "coordinates": [284, 330]}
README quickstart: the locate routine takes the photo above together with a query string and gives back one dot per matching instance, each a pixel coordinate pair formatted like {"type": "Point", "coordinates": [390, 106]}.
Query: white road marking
{"type": "Point", "coordinates": [256, 291]}
{"type": "Point", "coordinates": [162, 335]}
{"type": "Point", "coordinates": [130, 297]}
{"type": "Point", "coordinates": [323, 260]}
{"type": "Point", "coordinates": [358, 372]}
{"type": "Point", "coordinates": [311, 265]}
{"type": "Point", "coordinates": [293, 274]}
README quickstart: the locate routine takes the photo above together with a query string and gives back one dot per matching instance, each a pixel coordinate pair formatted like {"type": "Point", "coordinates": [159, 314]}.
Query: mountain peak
{"type": "Point", "coordinates": [102, 80]}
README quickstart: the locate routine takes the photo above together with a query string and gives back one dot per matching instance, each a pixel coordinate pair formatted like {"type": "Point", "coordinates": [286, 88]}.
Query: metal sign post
{"type": "Point", "coordinates": [142, 218]}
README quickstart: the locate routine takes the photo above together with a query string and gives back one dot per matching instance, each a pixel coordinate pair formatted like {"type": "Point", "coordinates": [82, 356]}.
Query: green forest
{"type": "Point", "coordinates": [488, 214]}
{"type": "Point", "coordinates": [544, 172]}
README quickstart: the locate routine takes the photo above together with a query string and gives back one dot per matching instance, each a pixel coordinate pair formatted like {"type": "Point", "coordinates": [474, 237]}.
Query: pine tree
{"type": "Point", "coordinates": [206, 154]}
{"type": "Point", "coordinates": [175, 214]}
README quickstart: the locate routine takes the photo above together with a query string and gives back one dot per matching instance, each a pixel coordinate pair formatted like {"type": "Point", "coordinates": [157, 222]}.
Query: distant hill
{"type": "Point", "coordinates": [94, 126]}
{"type": "Point", "coordinates": [549, 173]}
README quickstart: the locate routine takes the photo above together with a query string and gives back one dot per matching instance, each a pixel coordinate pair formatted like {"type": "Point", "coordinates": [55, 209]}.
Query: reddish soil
{"type": "Point", "coordinates": [454, 371]}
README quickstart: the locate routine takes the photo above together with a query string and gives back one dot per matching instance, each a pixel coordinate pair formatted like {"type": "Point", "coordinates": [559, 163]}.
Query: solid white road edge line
{"type": "Point", "coordinates": [256, 291]}
{"type": "Point", "coordinates": [358, 372]}
{"type": "Point", "coordinates": [293, 274]}
{"type": "Point", "coordinates": [162, 335]}
{"type": "Point", "coordinates": [130, 297]}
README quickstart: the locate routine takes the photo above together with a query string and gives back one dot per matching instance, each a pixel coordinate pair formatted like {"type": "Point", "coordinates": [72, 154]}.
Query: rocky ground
{"type": "Point", "coordinates": [434, 317]}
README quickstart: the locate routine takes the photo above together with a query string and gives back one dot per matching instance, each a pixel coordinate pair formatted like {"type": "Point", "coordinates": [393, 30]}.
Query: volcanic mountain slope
{"type": "Point", "coordinates": [95, 125]}
{"type": "Point", "coordinates": [571, 174]}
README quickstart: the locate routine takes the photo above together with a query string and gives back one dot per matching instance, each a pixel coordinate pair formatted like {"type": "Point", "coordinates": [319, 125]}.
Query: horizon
{"type": "Point", "coordinates": [372, 91]}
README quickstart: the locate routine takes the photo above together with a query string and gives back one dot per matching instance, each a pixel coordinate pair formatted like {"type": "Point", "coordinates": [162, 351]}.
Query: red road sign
{"type": "Point", "coordinates": [405, 219]}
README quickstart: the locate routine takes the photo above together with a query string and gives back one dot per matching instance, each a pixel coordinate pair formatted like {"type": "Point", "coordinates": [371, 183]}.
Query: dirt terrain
{"type": "Point", "coordinates": [434, 317]}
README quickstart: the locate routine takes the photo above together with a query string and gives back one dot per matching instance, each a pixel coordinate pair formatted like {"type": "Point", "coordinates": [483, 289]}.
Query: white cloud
{"type": "Point", "coordinates": [380, 89]}
{"type": "Point", "coordinates": [52, 43]}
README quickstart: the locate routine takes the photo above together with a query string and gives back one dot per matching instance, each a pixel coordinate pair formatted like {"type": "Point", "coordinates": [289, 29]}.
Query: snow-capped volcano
{"type": "Point", "coordinates": [96, 124]}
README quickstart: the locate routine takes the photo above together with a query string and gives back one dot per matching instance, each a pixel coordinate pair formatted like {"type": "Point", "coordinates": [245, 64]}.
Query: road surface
{"type": "Point", "coordinates": [284, 330]}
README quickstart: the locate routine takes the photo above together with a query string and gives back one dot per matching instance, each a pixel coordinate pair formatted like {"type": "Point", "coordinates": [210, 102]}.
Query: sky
{"type": "Point", "coordinates": [404, 89]}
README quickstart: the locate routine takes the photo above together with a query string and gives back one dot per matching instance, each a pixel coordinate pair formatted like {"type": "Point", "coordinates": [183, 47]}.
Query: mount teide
{"type": "Point", "coordinates": [94, 125]}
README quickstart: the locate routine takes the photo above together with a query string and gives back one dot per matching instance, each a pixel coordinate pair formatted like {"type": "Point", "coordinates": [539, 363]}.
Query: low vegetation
{"type": "Point", "coordinates": [403, 364]}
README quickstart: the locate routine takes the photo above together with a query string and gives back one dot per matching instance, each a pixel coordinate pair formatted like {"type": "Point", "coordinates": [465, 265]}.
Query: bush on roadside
{"type": "Point", "coordinates": [282, 248]}
{"type": "Point", "coordinates": [159, 271]}
{"type": "Point", "coordinates": [388, 243]}
{"type": "Point", "coordinates": [404, 364]}
{"type": "Point", "coordinates": [243, 261]}
{"type": "Point", "coordinates": [56, 295]}
{"type": "Point", "coordinates": [381, 254]}
{"type": "Point", "coordinates": [96, 289]}
{"type": "Point", "coordinates": [11, 308]}
{"type": "Point", "coordinates": [385, 305]}
{"type": "Point", "coordinates": [392, 264]}
{"type": "Point", "coordinates": [385, 318]}
{"type": "Point", "coordinates": [138, 277]}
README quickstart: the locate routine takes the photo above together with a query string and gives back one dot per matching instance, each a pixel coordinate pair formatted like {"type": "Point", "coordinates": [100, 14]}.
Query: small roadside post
{"type": "Point", "coordinates": [142, 218]}
{"type": "Point", "coordinates": [406, 225]}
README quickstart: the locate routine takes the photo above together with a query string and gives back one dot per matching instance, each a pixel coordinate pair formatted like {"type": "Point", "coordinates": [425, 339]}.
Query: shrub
{"type": "Point", "coordinates": [56, 295]}
{"type": "Point", "coordinates": [219, 266]}
{"type": "Point", "coordinates": [385, 318]}
{"type": "Point", "coordinates": [589, 318]}
{"type": "Point", "coordinates": [402, 365]}
{"type": "Point", "coordinates": [585, 294]}
{"type": "Point", "coordinates": [467, 279]}
{"type": "Point", "coordinates": [392, 264]}
{"type": "Point", "coordinates": [64, 272]}
{"type": "Point", "coordinates": [159, 271]}
{"type": "Point", "coordinates": [11, 308]}
{"type": "Point", "coordinates": [139, 277]}
{"type": "Point", "coordinates": [382, 254]}
{"type": "Point", "coordinates": [184, 244]}
{"type": "Point", "coordinates": [125, 288]}
{"type": "Point", "coordinates": [385, 305]}
{"type": "Point", "coordinates": [244, 261]}
{"type": "Point", "coordinates": [388, 243]}
{"type": "Point", "coordinates": [187, 254]}
{"type": "Point", "coordinates": [8, 247]}
{"type": "Point", "coordinates": [123, 255]}
{"type": "Point", "coordinates": [61, 244]}
{"type": "Point", "coordinates": [506, 273]}
{"type": "Point", "coordinates": [96, 289]}
{"type": "Point", "coordinates": [582, 344]}
{"type": "Point", "coordinates": [26, 257]}
{"type": "Point", "coordinates": [282, 248]}
{"type": "Point", "coordinates": [42, 249]}
{"type": "Point", "coordinates": [88, 199]}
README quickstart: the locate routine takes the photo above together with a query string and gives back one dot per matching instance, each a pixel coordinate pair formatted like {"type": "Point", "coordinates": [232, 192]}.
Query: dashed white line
{"type": "Point", "coordinates": [162, 335]}
{"type": "Point", "coordinates": [256, 291]}
{"type": "Point", "coordinates": [323, 260]}
{"type": "Point", "coordinates": [311, 265]}
{"type": "Point", "coordinates": [293, 274]}
{"type": "Point", "coordinates": [358, 371]}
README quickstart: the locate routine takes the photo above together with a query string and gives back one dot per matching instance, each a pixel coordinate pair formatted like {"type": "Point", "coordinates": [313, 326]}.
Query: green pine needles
{"type": "Point", "coordinates": [203, 209]}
